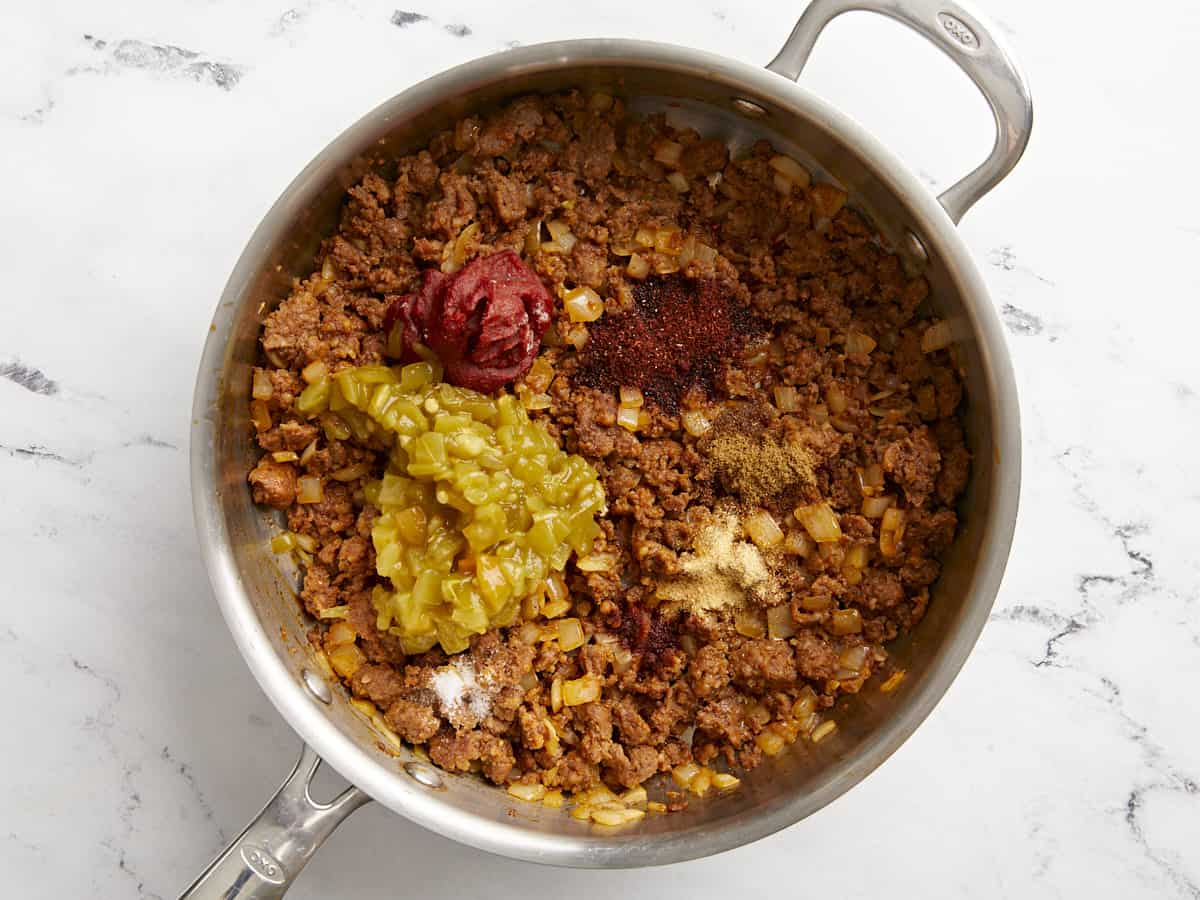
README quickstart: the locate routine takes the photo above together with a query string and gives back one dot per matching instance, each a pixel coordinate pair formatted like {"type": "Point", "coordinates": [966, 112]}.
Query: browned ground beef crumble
{"type": "Point", "coordinates": [803, 263]}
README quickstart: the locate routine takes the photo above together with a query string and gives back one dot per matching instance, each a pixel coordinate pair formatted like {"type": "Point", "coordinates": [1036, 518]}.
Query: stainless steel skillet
{"type": "Point", "coordinates": [718, 96]}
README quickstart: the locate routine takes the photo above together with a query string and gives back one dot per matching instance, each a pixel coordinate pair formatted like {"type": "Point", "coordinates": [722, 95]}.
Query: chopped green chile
{"type": "Point", "coordinates": [478, 505]}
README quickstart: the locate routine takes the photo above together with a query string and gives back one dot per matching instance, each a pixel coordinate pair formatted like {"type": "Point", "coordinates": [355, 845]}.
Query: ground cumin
{"type": "Point", "coordinates": [759, 467]}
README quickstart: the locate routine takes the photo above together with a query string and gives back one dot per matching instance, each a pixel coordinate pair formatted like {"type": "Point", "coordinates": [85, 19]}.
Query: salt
{"type": "Point", "coordinates": [462, 693]}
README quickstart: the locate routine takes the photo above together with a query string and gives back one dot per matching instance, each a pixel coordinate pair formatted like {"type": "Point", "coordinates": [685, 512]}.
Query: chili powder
{"type": "Point", "coordinates": [676, 335]}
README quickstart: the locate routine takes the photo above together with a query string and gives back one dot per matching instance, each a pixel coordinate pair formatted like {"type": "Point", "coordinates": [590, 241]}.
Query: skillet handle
{"type": "Point", "coordinates": [263, 860]}
{"type": "Point", "coordinates": [973, 46]}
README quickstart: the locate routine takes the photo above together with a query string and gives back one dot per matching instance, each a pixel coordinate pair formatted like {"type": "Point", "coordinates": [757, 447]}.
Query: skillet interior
{"type": "Point", "coordinates": [257, 589]}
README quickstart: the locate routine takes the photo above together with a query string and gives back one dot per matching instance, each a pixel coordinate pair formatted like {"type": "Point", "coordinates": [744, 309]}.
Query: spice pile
{"type": "Point", "coordinates": [726, 571]}
{"type": "Point", "coordinates": [755, 464]}
{"type": "Point", "coordinates": [677, 335]}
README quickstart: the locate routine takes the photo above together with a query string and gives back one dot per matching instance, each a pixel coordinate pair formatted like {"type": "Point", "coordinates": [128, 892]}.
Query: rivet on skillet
{"type": "Point", "coordinates": [317, 686]}
{"type": "Point", "coordinates": [426, 775]}
{"type": "Point", "coordinates": [748, 108]}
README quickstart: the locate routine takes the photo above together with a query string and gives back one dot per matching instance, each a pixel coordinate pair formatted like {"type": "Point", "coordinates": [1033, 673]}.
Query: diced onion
{"type": "Point", "coordinates": [668, 240]}
{"type": "Point", "coordinates": [823, 730]}
{"type": "Point", "coordinates": [535, 401]}
{"type": "Point", "coordinates": [644, 237]}
{"type": "Point", "coordinates": [577, 336]}
{"type": "Point", "coordinates": [334, 612]}
{"type": "Point", "coordinates": [597, 562]}
{"type": "Point", "coordinates": [891, 531]}
{"type": "Point", "coordinates": [634, 796]}
{"type": "Point", "coordinates": [556, 587]}
{"type": "Point", "coordinates": [875, 507]}
{"type": "Point", "coordinates": [668, 152]}
{"type": "Point", "coordinates": [845, 621]}
{"type": "Point", "coordinates": [857, 556]}
{"type": "Point", "coordinates": [782, 184]}
{"type": "Point", "coordinates": [859, 343]}
{"type": "Point", "coordinates": [683, 774]}
{"type": "Point", "coordinates": [872, 475]}
{"type": "Point", "coordinates": [283, 543]}
{"type": "Point", "coordinates": [631, 396]}
{"type": "Point", "coordinates": [762, 528]}
{"type": "Point", "coordinates": [260, 415]}
{"type": "Point", "coordinates": [530, 793]}
{"type": "Point", "coordinates": [284, 456]}
{"type": "Point", "coordinates": [820, 521]}
{"type": "Point", "coordinates": [314, 371]}
{"type": "Point", "coordinates": [570, 634]}
{"type": "Point", "coordinates": [827, 199]}
{"type": "Point", "coordinates": [613, 817]}
{"type": "Point", "coordinates": [340, 633]}
{"type": "Point", "coordinates": [779, 622]}
{"type": "Point", "coordinates": [936, 337]}
{"type": "Point", "coordinates": [309, 489]}
{"type": "Point", "coordinates": [579, 691]}
{"type": "Point", "coordinates": [787, 399]}
{"type": "Point", "coordinates": [805, 704]}
{"type": "Point", "coordinates": [892, 682]}
{"type": "Point", "coordinates": [456, 252]}
{"type": "Point", "coordinates": [533, 238]}
{"type": "Point", "coordinates": [836, 400]}
{"type": "Point", "coordinates": [815, 602]}
{"type": "Point", "coordinates": [749, 624]}
{"type": "Point", "coordinates": [622, 659]}
{"type": "Point", "coordinates": [798, 543]}
{"type": "Point", "coordinates": [350, 473]}
{"type": "Point", "coordinates": [583, 304]}
{"type": "Point", "coordinates": [628, 417]}
{"type": "Point", "coordinates": [688, 251]}
{"type": "Point", "coordinates": [679, 182]}
{"type": "Point", "coordinates": [790, 169]}
{"type": "Point", "coordinates": [561, 237]}
{"type": "Point", "coordinates": [770, 743]}
{"type": "Point", "coordinates": [705, 254]}
{"type": "Point", "coordinates": [853, 658]}
{"type": "Point", "coordinates": [262, 388]}
{"type": "Point", "coordinates": [345, 659]}
{"type": "Point", "coordinates": [639, 266]}
{"type": "Point", "coordinates": [723, 781]}
{"type": "Point", "coordinates": [695, 421]}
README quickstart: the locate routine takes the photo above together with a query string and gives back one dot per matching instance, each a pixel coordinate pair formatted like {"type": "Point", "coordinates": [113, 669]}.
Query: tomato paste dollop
{"type": "Point", "coordinates": [485, 322]}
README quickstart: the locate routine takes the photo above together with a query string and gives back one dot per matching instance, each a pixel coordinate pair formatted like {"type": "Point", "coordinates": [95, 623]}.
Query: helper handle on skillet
{"type": "Point", "coordinates": [961, 35]}
{"type": "Point", "coordinates": [264, 860]}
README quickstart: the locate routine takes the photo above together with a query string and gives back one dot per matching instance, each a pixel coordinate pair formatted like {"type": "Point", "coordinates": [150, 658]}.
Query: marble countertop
{"type": "Point", "coordinates": [141, 144]}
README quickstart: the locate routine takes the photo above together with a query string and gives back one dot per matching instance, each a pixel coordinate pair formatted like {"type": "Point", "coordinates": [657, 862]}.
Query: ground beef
{"type": "Point", "coordinates": [803, 267]}
{"type": "Point", "coordinates": [815, 656]}
{"type": "Point", "coordinates": [763, 664]}
{"type": "Point", "coordinates": [273, 484]}
{"type": "Point", "coordinates": [415, 722]}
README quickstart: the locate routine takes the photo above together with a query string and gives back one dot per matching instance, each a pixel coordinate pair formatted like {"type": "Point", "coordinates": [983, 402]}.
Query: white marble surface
{"type": "Point", "coordinates": [1064, 762]}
